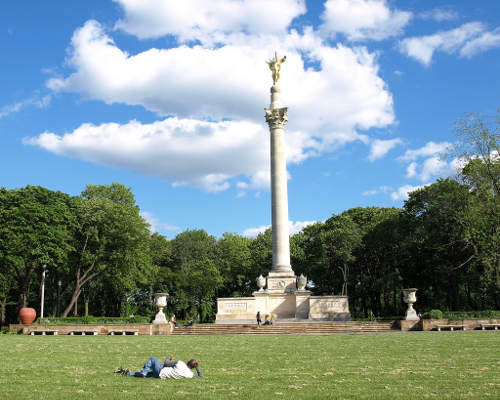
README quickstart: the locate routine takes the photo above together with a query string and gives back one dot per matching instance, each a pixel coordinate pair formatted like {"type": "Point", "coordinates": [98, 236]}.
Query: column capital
{"type": "Point", "coordinates": [277, 117]}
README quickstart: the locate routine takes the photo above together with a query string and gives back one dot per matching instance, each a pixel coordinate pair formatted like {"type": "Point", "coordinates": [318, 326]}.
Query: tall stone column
{"type": "Point", "coordinates": [277, 117]}
{"type": "Point", "coordinates": [281, 277]}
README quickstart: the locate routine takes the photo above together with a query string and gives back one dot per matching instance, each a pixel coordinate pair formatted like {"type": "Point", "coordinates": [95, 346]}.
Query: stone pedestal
{"type": "Point", "coordinates": [281, 282]}
{"type": "Point", "coordinates": [161, 303]}
{"type": "Point", "coordinates": [409, 297]}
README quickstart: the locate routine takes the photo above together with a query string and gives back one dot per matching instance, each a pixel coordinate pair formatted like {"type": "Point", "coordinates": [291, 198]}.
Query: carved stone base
{"type": "Point", "coordinates": [160, 318]}
{"type": "Point", "coordinates": [298, 305]}
{"type": "Point", "coordinates": [412, 315]}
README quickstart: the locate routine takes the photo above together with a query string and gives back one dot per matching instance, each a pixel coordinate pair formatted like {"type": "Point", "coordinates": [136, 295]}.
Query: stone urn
{"type": "Point", "coordinates": [409, 297]}
{"type": "Point", "coordinates": [27, 315]}
{"type": "Point", "coordinates": [161, 303]}
{"type": "Point", "coordinates": [301, 282]}
{"type": "Point", "coordinates": [261, 283]}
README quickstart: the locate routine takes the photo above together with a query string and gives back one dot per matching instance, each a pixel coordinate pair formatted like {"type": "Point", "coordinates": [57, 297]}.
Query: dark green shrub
{"type": "Point", "coordinates": [471, 314]}
{"type": "Point", "coordinates": [137, 319]}
{"type": "Point", "coordinates": [433, 314]}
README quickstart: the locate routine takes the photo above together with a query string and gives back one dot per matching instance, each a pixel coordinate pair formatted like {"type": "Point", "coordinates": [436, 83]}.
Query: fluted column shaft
{"type": "Point", "coordinates": [277, 117]}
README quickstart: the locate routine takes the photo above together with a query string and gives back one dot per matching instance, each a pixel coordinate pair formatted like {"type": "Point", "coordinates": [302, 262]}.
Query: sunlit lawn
{"type": "Point", "coordinates": [371, 366]}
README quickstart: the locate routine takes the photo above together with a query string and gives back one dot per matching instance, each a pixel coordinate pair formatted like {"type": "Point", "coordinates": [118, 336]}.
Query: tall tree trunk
{"type": "Point", "coordinates": [3, 304]}
{"type": "Point", "coordinates": [75, 309]}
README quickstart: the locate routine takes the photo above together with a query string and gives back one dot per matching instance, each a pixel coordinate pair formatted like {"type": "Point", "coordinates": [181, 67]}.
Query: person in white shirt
{"type": "Point", "coordinates": [154, 368]}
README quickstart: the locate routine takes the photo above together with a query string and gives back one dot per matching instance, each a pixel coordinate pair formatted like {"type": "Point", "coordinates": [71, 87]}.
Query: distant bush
{"type": "Point", "coordinates": [471, 314]}
{"type": "Point", "coordinates": [137, 319]}
{"type": "Point", "coordinates": [433, 314]}
{"type": "Point", "coordinates": [438, 314]}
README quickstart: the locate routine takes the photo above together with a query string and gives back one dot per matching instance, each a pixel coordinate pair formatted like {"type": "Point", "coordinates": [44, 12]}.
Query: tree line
{"type": "Point", "coordinates": [102, 259]}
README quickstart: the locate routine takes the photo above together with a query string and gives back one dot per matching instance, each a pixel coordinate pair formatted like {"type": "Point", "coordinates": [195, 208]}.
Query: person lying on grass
{"type": "Point", "coordinates": [154, 368]}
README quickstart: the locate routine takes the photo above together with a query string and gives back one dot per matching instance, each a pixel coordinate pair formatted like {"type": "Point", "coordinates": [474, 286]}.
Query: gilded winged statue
{"type": "Point", "coordinates": [275, 66]}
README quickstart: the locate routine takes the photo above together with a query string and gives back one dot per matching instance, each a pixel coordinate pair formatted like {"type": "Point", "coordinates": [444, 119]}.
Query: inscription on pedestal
{"type": "Point", "coordinates": [329, 307]}
{"type": "Point", "coordinates": [235, 306]}
{"type": "Point", "coordinates": [281, 284]}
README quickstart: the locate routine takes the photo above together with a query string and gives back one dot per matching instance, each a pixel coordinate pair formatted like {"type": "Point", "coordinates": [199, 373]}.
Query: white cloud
{"type": "Point", "coordinates": [253, 232]}
{"type": "Point", "coordinates": [363, 19]}
{"type": "Point", "coordinates": [379, 148]}
{"type": "Point", "coordinates": [467, 39]}
{"type": "Point", "coordinates": [402, 192]}
{"type": "Point", "coordinates": [296, 227]}
{"type": "Point", "coordinates": [411, 170]}
{"type": "Point", "coordinates": [433, 164]}
{"type": "Point", "coordinates": [202, 19]}
{"type": "Point", "coordinates": [230, 81]}
{"type": "Point", "coordinates": [439, 14]}
{"type": "Point", "coordinates": [293, 227]}
{"type": "Point", "coordinates": [155, 224]}
{"type": "Point", "coordinates": [430, 149]}
{"type": "Point", "coordinates": [381, 189]}
{"type": "Point", "coordinates": [487, 41]}
{"type": "Point", "coordinates": [34, 101]}
{"type": "Point", "coordinates": [187, 152]}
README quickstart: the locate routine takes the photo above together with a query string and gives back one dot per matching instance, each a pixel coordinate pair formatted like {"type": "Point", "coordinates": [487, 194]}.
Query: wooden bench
{"type": "Point", "coordinates": [124, 332]}
{"type": "Point", "coordinates": [486, 326]}
{"type": "Point", "coordinates": [83, 332]}
{"type": "Point", "coordinates": [43, 332]}
{"type": "Point", "coordinates": [450, 327]}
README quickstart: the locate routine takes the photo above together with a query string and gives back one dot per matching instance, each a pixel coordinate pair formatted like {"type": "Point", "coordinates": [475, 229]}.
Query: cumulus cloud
{"type": "Point", "coordinates": [430, 149]}
{"type": "Point", "coordinates": [432, 165]}
{"type": "Point", "coordinates": [155, 224]}
{"type": "Point", "coordinates": [402, 192]}
{"type": "Point", "coordinates": [466, 40]}
{"type": "Point", "coordinates": [361, 20]}
{"type": "Point", "coordinates": [203, 20]}
{"type": "Point", "coordinates": [327, 107]}
{"type": "Point", "coordinates": [379, 148]}
{"type": "Point", "coordinates": [293, 227]}
{"type": "Point", "coordinates": [229, 82]}
{"type": "Point", "coordinates": [187, 152]}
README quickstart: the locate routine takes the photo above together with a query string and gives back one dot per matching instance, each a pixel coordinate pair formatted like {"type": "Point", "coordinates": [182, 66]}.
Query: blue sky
{"type": "Point", "coordinates": [167, 97]}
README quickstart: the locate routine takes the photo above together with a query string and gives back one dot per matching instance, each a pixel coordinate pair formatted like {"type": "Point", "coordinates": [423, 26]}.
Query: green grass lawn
{"type": "Point", "coordinates": [372, 366]}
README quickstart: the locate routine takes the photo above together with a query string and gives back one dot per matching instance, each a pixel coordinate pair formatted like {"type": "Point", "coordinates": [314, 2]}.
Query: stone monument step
{"type": "Point", "coordinates": [290, 328]}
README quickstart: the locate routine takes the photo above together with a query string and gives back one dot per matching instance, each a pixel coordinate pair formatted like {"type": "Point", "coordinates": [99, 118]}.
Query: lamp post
{"type": "Point", "coordinates": [59, 283]}
{"type": "Point", "coordinates": [44, 266]}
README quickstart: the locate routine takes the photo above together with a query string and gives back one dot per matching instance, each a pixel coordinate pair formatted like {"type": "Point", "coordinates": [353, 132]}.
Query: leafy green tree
{"type": "Point", "coordinates": [113, 240]}
{"type": "Point", "coordinates": [192, 251]}
{"type": "Point", "coordinates": [306, 252]}
{"type": "Point", "coordinates": [340, 239]}
{"type": "Point", "coordinates": [6, 286]}
{"type": "Point", "coordinates": [37, 228]}
{"type": "Point", "coordinates": [478, 147]}
{"type": "Point", "coordinates": [261, 250]}
{"type": "Point", "coordinates": [442, 256]}
{"type": "Point", "coordinates": [235, 265]}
